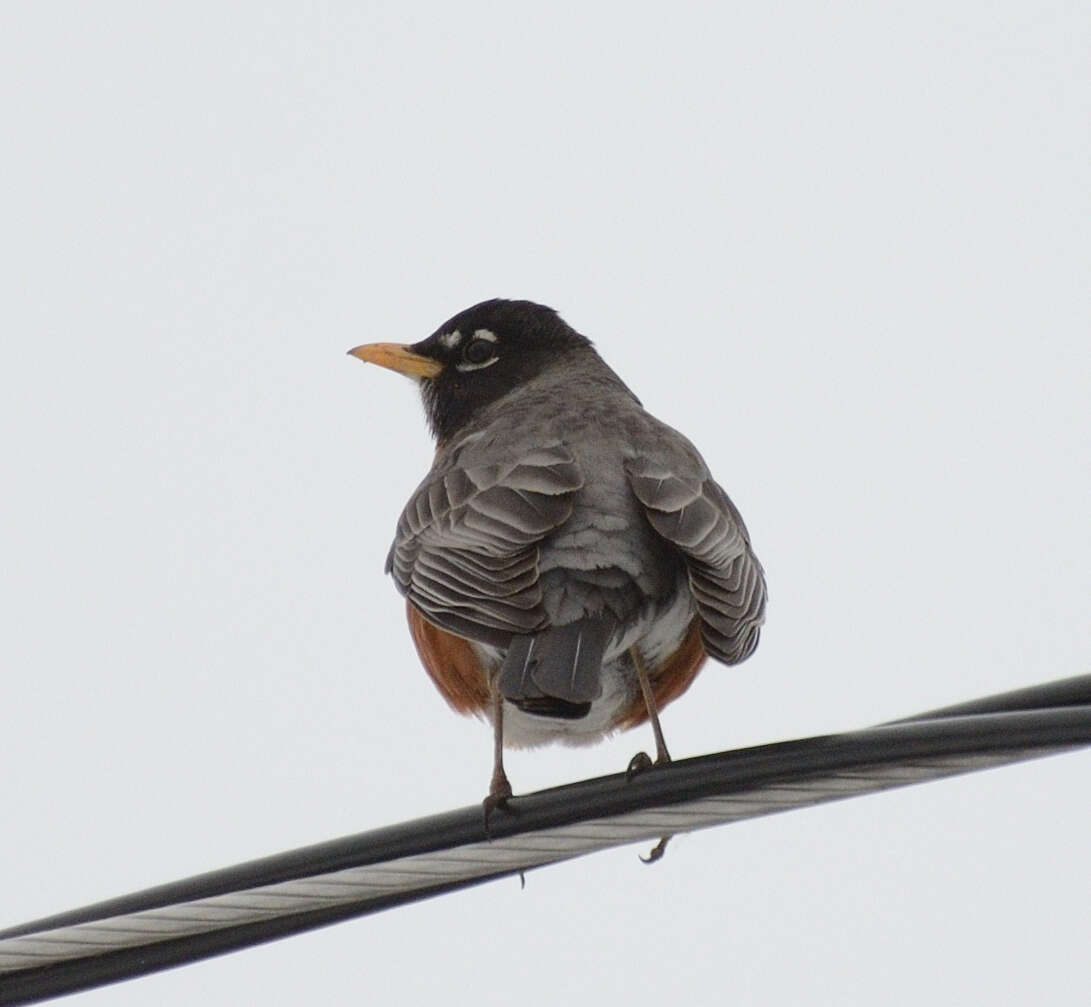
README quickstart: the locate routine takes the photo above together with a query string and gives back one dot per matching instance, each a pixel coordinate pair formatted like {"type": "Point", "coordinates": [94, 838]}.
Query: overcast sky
{"type": "Point", "coordinates": [844, 247]}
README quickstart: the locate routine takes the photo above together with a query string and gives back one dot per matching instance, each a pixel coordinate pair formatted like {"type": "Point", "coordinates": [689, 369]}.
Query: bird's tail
{"type": "Point", "coordinates": [558, 672]}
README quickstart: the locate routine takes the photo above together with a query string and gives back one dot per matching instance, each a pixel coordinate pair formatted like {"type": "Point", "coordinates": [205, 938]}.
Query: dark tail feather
{"type": "Point", "coordinates": [556, 673]}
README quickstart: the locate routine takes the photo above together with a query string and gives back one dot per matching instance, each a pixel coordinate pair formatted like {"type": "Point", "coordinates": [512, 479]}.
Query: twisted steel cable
{"type": "Point", "coordinates": [318, 885]}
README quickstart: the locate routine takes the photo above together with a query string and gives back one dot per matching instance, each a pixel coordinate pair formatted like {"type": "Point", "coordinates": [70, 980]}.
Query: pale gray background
{"type": "Point", "coordinates": [843, 246]}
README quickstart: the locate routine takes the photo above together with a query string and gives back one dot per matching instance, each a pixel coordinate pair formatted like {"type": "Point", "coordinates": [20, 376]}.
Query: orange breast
{"type": "Point", "coordinates": [451, 664]}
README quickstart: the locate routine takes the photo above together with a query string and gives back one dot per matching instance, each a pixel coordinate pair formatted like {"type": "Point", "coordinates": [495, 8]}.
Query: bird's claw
{"type": "Point", "coordinates": [499, 795]}
{"type": "Point", "coordinates": [638, 764]}
{"type": "Point", "coordinates": [657, 851]}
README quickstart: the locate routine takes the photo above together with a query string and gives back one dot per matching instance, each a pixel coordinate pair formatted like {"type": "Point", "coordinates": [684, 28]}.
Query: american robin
{"type": "Point", "coordinates": [568, 562]}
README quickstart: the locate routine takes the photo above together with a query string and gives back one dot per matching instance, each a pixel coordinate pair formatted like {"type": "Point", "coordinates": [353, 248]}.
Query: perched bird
{"type": "Point", "coordinates": [568, 562]}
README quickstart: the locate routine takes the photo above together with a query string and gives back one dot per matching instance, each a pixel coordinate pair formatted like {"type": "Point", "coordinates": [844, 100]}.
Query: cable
{"type": "Point", "coordinates": [307, 888]}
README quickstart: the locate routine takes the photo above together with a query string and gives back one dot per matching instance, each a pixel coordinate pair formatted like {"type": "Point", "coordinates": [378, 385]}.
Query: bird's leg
{"type": "Point", "coordinates": [640, 761]}
{"type": "Point", "coordinates": [499, 787]}
{"type": "Point", "coordinates": [661, 753]}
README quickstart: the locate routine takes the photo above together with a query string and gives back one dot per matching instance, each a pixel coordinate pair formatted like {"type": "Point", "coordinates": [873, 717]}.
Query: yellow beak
{"type": "Point", "coordinates": [398, 358]}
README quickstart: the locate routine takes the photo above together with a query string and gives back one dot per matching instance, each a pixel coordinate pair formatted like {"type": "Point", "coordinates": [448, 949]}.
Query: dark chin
{"type": "Point", "coordinates": [429, 397]}
{"type": "Point", "coordinates": [448, 407]}
{"type": "Point", "coordinates": [451, 402]}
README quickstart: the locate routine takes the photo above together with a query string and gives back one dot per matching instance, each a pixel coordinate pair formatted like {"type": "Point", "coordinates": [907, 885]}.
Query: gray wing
{"type": "Point", "coordinates": [466, 549]}
{"type": "Point", "coordinates": [688, 509]}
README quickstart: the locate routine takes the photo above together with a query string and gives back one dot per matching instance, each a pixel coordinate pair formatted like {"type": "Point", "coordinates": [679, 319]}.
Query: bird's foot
{"type": "Point", "coordinates": [642, 762]}
{"type": "Point", "coordinates": [499, 794]}
{"type": "Point", "coordinates": [657, 851]}
{"type": "Point", "coordinates": [638, 764]}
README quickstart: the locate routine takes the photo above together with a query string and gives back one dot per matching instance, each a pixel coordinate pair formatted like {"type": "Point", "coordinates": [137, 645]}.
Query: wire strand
{"type": "Point", "coordinates": [300, 890]}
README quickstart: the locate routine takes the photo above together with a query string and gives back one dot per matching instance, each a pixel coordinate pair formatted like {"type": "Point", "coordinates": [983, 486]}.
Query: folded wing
{"type": "Point", "coordinates": [688, 509]}
{"type": "Point", "coordinates": [466, 549]}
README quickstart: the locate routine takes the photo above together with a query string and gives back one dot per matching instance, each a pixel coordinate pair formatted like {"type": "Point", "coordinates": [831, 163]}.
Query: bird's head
{"type": "Point", "coordinates": [478, 356]}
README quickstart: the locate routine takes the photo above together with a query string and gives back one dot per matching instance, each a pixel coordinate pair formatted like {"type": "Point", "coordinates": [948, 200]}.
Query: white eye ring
{"type": "Point", "coordinates": [480, 336]}
{"type": "Point", "coordinates": [467, 366]}
{"type": "Point", "coordinates": [476, 367]}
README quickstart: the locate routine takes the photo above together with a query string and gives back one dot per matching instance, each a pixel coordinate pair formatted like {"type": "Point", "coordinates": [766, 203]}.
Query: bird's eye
{"type": "Point", "coordinates": [478, 351]}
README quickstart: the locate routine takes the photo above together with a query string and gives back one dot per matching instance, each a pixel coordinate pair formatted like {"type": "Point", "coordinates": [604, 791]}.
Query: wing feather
{"type": "Point", "coordinates": [466, 549]}
{"type": "Point", "coordinates": [687, 508]}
